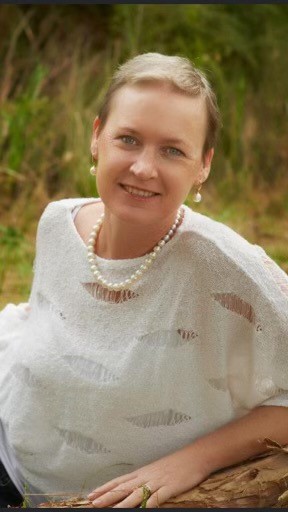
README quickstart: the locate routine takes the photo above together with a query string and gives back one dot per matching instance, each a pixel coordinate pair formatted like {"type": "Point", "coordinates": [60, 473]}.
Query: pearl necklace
{"type": "Point", "coordinates": [143, 268]}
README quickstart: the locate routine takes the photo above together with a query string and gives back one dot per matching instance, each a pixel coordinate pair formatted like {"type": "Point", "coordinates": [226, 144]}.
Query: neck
{"type": "Point", "coordinates": [118, 239]}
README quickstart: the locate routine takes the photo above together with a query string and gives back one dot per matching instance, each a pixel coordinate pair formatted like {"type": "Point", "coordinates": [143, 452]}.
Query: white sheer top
{"type": "Point", "coordinates": [94, 385]}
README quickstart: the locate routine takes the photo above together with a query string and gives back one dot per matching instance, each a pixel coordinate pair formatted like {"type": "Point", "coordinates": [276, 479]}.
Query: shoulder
{"type": "Point", "coordinates": [56, 215]}
{"type": "Point", "coordinates": [55, 208]}
{"type": "Point", "coordinates": [215, 238]}
{"type": "Point", "coordinates": [220, 251]}
{"type": "Point", "coordinates": [86, 217]}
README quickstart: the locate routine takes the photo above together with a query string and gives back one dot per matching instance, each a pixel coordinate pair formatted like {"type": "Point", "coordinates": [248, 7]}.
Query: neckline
{"type": "Point", "coordinates": [124, 263]}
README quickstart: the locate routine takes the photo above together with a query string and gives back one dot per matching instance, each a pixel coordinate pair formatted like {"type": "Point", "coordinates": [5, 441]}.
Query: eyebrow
{"type": "Point", "coordinates": [165, 141]}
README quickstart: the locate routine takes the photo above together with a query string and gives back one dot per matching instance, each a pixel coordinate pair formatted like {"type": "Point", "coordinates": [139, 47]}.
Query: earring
{"type": "Point", "coordinates": [93, 170]}
{"type": "Point", "coordinates": [197, 196]}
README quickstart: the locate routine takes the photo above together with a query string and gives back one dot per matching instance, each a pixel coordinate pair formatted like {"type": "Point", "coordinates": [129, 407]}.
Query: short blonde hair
{"type": "Point", "coordinates": [179, 72]}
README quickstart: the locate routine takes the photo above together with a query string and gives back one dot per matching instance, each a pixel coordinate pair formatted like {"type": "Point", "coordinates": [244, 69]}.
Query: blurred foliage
{"type": "Point", "coordinates": [56, 62]}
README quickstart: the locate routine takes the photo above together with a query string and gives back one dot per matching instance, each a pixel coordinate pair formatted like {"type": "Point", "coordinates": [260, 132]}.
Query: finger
{"type": "Point", "coordinates": [135, 498]}
{"type": "Point", "coordinates": [114, 496]}
{"type": "Point", "coordinates": [109, 485]}
{"type": "Point", "coordinates": [132, 500]}
{"type": "Point", "coordinates": [158, 497]}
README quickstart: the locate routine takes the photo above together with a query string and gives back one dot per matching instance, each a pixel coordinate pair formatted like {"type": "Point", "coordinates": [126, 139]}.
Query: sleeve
{"type": "Point", "coordinates": [39, 243]}
{"type": "Point", "coordinates": [257, 358]}
{"type": "Point", "coordinates": [15, 313]}
{"type": "Point", "coordinates": [34, 265]}
{"type": "Point", "coordinates": [280, 278]}
{"type": "Point", "coordinates": [12, 317]}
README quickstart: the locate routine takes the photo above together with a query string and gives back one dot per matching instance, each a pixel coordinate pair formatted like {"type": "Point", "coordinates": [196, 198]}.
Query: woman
{"type": "Point", "coordinates": [143, 369]}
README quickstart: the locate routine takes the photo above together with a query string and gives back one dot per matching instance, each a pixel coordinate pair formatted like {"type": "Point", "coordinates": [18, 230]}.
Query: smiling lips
{"type": "Point", "coordinates": [138, 192]}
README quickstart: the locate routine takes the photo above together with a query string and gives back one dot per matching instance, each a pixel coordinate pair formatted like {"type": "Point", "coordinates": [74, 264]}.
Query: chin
{"type": "Point", "coordinates": [135, 216]}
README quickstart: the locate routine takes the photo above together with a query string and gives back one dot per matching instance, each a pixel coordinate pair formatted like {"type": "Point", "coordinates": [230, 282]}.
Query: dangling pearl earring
{"type": "Point", "coordinates": [93, 170]}
{"type": "Point", "coordinates": [197, 196]}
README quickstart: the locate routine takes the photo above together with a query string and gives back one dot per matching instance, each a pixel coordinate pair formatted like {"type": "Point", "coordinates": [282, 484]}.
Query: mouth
{"type": "Point", "coordinates": [138, 192]}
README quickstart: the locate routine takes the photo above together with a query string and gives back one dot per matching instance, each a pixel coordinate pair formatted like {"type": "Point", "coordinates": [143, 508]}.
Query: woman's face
{"type": "Point", "coordinates": [150, 152]}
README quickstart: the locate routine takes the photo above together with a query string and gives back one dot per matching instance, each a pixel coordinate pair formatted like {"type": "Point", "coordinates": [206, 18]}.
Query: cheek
{"type": "Point", "coordinates": [110, 170]}
{"type": "Point", "coordinates": [114, 165]}
{"type": "Point", "coordinates": [183, 179]}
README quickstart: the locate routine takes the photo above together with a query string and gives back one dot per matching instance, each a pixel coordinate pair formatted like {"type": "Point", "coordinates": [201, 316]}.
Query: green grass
{"type": "Point", "coordinates": [17, 254]}
{"type": "Point", "coordinates": [26, 500]}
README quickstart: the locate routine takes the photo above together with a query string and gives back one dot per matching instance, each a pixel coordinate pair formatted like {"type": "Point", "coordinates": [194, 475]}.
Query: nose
{"type": "Point", "coordinates": [144, 166]}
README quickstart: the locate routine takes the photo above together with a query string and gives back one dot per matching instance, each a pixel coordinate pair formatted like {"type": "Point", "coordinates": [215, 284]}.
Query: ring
{"type": "Point", "coordinates": [146, 493]}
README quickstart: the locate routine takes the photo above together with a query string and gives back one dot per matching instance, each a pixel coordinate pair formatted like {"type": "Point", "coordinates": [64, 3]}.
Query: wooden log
{"type": "Point", "coordinates": [260, 482]}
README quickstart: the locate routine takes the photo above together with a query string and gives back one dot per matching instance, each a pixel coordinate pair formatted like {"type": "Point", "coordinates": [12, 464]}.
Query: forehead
{"type": "Point", "coordinates": [159, 108]}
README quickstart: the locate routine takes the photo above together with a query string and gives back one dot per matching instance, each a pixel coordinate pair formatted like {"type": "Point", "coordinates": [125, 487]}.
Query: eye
{"type": "Point", "coordinates": [127, 139]}
{"type": "Point", "coordinates": [174, 152]}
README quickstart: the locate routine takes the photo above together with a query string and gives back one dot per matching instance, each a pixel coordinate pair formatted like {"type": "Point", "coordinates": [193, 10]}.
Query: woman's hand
{"type": "Point", "coordinates": [166, 477]}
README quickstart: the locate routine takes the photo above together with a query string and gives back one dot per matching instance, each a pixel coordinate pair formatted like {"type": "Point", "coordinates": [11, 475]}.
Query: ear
{"type": "Point", "coordinates": [206, 165]}
{"type": "Point", "coordinates": [96, 124]}
{"type": "Point", "coordinates": [94, 140]}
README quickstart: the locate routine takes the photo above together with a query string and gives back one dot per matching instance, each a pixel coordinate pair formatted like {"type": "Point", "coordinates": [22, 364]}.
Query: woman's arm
{"type": "Point", "coordinates": [242, 438]}
{"type": "Point", "coordinates": [186, 468]}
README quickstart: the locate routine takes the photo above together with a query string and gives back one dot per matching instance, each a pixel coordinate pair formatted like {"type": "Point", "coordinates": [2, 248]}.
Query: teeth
{"type": "Point", "coordinates": [137, 192]}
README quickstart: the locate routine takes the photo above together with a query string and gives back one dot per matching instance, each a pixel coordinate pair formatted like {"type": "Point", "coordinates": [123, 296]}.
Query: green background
{"type": "Point", "coordinates": [55, 64]}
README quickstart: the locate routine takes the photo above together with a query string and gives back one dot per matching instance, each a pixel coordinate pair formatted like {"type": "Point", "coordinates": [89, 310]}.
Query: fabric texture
{"type": "Point", "coordinates": [94, 384]}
